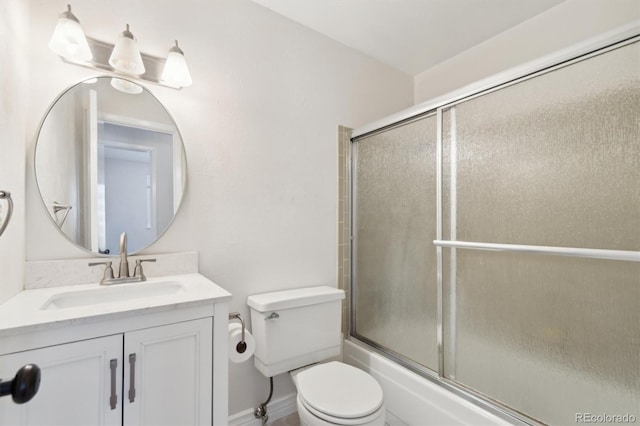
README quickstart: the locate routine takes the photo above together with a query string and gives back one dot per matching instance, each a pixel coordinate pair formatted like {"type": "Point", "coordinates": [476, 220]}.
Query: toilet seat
{"type": "Point", "coordinates": [339, 393]}
{"type": "Point", "coordinates": [327, 419]}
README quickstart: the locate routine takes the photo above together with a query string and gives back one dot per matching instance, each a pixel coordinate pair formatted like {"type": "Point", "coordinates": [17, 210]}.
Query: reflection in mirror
{"type": "Point", "coordinates": [107, 162]}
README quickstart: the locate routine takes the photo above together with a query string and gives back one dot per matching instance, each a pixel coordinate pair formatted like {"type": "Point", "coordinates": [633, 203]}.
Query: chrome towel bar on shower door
{"type": "Point", "coordinates": [628, 256]}
{"type": "Point", "coordinates": [6, 195]}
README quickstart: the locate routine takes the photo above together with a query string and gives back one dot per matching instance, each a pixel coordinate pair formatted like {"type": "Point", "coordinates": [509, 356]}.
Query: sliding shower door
{"type": "Point", "coordinates": [394, 223]}
{"type": "Point", "coordinates": [551, 161]}
{"type": "Point", "coordinates": [535, 199]}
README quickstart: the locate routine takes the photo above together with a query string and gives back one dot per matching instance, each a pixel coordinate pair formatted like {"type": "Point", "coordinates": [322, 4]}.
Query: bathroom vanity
{"type": "Point", "coordinates": [143, 353]}
{"type": "Point", "coordinates": [127, 353]}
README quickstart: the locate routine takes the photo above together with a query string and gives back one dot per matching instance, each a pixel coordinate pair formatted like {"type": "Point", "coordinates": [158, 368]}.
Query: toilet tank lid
{"type": "Point", "coordinates": [294, 298]}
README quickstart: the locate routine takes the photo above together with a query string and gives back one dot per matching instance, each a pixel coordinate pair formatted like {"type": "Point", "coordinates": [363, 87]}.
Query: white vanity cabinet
{"type": "Point", "coordinates": [120, 355]}
{"type": "Point", "coordinates": [167, 375]}
{"type": "Point", "coordinates": [75, 384]}
{"type": "Point", "coordinates": [167, 379]}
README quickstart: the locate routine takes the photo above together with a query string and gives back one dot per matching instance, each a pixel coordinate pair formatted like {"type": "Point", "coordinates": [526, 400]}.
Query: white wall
{"type": "Point", "coordinates": [260, 130]}
{"type": "Point", "coordinates": [14, 38]}
{"type": "Point", "coordinates": [59, 159]}
{"type": "Point", "coordinates": [564, 25]}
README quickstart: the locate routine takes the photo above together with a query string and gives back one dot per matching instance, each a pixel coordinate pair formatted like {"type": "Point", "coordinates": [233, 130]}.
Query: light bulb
{"type": "Point", "coordinates": [125, 56]}
{"type": "Point", "coordinates": [176, 72]}
{"type": "Point", "coordinates": [68, 39]}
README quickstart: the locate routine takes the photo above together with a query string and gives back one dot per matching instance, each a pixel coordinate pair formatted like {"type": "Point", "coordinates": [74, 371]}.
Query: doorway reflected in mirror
{"type": "Point", "coordinates": [116, 160]}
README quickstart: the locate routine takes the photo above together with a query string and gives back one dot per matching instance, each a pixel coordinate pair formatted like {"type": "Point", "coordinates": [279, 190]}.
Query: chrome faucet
{"type": "Point", "coordinates": [124, 262]}
{"type": "Point", "coordinates": [123, 269]}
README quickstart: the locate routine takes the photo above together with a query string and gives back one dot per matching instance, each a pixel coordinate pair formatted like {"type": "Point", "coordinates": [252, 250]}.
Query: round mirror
{"type": "Point", "coordinates": [110, 159]}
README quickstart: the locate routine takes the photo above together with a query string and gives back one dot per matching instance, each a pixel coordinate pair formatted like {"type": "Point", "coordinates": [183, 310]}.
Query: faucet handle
{"type": "Point", "coordinates": [108, 270]}
{"type": "Point", "coordinates": [138, 272]}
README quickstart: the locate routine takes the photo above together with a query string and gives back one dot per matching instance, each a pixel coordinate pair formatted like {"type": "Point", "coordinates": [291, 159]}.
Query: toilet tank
{"type": "Point", "coordinates": [294, 328]}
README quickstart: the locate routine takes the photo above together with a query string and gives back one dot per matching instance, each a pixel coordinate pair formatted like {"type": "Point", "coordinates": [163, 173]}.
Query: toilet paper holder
{"type": "Point", "coordinates": [242, 345]}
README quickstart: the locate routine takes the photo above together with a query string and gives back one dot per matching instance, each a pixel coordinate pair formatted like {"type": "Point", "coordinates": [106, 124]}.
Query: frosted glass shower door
{"type": "Point", "coordinates": [553, 160]}
{"type": "Point", "coordinates": [394, 225]}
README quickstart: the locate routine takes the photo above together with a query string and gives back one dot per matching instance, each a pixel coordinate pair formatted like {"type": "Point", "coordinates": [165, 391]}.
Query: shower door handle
{"type": "Point", "coordinates": [6, 195]}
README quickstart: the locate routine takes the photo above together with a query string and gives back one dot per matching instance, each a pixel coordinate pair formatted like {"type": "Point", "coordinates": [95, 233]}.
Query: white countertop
{"type": "Point", "coordinates": [25, 309]}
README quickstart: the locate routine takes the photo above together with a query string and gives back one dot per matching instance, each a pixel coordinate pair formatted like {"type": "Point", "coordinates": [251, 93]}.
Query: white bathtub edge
{"type": "Point", "coordinates": [413, 400]}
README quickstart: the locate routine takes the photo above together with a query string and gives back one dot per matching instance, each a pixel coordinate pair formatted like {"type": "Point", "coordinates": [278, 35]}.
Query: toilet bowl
{"type": "Point", "coordinates": [338, 394]}
{"type": "Point", "coordinates": [294, 330]}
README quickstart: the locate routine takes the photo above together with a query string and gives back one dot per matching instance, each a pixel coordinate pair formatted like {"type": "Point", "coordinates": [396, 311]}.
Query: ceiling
{"type": "Point", "coordinates": [410, 35]}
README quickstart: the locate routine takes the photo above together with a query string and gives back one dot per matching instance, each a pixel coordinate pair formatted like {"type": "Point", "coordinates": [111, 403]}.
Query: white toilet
{"type": "Point", "coordinates": [296, 329]}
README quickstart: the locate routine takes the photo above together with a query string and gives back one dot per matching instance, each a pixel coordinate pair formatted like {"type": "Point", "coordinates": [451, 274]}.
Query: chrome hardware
{"type": "Point", "coordinates": [242, 344]}
{"type": "Point", "coordinates": [108, 271]}
{"type": "Point", "coordinates": [132, 377]}
{"type": "Point", "coordinates": [113, 400]}
{"type": "Point", "coordinates": [260, 412]}
{"type": "Point", "coordinates": [6, 195]}
{"type": "Point", "coordinates": [138, 272]}
{"type": "Point", "coordinates": [274, 315]}
{"type": "Point", "coordinates": [123, 269]}
{"type": "Point", "coordinates": [623, 255]}
{"type": "Point", "coordinates": [59, 207]}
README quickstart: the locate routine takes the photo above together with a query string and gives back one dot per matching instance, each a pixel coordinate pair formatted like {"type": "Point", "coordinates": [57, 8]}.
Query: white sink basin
{"type": "Point", "coordinates": [112, 294]}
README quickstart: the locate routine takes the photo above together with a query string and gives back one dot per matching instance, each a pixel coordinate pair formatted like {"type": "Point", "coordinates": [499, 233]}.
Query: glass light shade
{"type": "Point", "coordinates": [175, 72]}
{"type": "Point", "coordinates": [125, 86]}
{"type": "Point", "coordinates": [68, 39]}
{"type": "Point", "coordinates": [125, 56]}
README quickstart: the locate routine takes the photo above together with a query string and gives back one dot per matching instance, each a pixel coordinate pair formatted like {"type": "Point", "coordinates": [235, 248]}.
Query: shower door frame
{"type": "Point", "coordinates": [621, 37]}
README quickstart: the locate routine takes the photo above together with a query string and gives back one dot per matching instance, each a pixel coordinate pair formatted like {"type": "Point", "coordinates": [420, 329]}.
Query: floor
{"type": "Point", "coordinates": [290, 420]}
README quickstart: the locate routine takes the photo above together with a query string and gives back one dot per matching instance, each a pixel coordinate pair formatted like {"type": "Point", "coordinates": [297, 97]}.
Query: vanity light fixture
{"type": "Point", "coordinates": [68, 39]}
{"type": "Point", "coordinates": [125, 56]}
{"type": "Point", "coordinates": [176, 72]}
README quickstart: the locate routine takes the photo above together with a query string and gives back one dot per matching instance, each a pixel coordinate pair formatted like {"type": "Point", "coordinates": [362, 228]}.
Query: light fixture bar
{"type": "Point", "coordinates": [101, 52]}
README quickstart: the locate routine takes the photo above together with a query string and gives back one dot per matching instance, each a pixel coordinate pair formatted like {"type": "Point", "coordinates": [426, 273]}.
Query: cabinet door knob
{"type": "Point", "coordinates": [132, 377]}
{"type": "Point", "coordinates": [24, 385]}
{"type": "Point", "coordinates": [113, 399]}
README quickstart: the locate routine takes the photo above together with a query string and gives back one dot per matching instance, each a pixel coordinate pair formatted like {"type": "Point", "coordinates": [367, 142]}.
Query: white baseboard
{"type": "Point", "coordinates": [276, 409]}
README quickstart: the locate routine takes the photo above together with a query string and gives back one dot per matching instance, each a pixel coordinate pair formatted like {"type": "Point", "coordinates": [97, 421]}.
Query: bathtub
{"type": "Point", "coordinates": [413, 400]}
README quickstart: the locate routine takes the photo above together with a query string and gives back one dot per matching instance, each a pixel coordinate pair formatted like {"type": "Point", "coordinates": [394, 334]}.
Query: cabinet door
{"type": "Point", "coordinates": [75, 387]}
{"type": "Point", "coordinates": [168, 374]}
